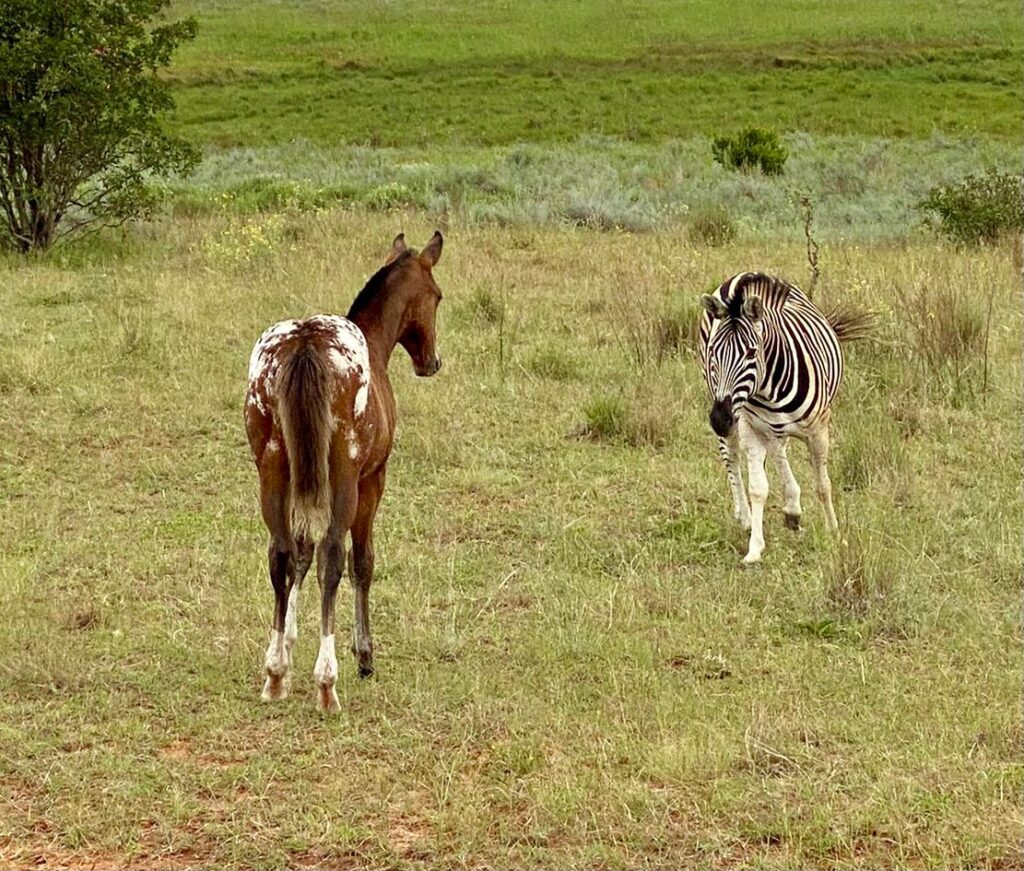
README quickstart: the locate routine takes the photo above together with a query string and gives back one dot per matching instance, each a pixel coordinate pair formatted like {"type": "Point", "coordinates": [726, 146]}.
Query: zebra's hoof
{"type": "Point", "coordinates": [792, 521]}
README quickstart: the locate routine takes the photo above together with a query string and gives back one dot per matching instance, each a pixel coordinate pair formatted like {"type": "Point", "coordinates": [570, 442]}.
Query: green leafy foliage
{"type": "Point", "coordinates": [80, 114]}
{"type": "Point", "coordinates": [754, 148]}
{"type": "Point", "coordinates": [981, 208]}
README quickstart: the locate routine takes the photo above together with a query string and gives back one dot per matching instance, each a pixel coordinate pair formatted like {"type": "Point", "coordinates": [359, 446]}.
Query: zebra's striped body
{"type": "Point", "coordinates": [772, 364]}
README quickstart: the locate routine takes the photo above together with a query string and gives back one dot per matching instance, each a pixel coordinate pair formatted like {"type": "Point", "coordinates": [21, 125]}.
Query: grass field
{"type": "Point", "coordinates": [573, 670]}
{"type": "Point", "coordinates": [441, 74]}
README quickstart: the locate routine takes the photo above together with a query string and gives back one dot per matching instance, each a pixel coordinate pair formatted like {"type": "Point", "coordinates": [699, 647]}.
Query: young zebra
{"type": "Point", "coordinates": [773, 365]}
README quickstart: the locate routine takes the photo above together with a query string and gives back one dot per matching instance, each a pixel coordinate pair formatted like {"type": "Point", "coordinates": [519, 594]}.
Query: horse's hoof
{"type": "Point", "coordinates": [274, 689]}
{"type": "Point", "coordinates": [792, 521]}
{"type": "Point", "coordinates": [365, 671]}
{"type": "Point", "coordinates": [328, 700]}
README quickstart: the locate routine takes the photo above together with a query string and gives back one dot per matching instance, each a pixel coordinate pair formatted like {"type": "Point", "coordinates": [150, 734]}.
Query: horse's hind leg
{"type": "Point", "coordinates": [330, 560]}
{"type": "Point", "coordinates": [302, 558]}
{"type": "Point", "coordinates": [361, 569]}
{"type": "Point", "coordinates": [273, 501]}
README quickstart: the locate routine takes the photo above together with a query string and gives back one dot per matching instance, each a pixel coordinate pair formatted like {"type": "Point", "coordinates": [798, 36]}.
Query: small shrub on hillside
{"type": "Point", "coordinates": [754, 148]}
{"type": "Point", "coordinates": [261, 194]}
{"type": "Point", "coordinates": [712, 227]}
{"type": "Point", "coordinates": [981, 208]}
{"type": "Point", "coordinates": [393, 195]}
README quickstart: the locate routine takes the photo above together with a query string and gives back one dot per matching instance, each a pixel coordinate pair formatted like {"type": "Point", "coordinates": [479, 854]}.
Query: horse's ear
{"type": "Point", "coordinates": [714, 306]}
{"type": "Point", "coordinates": [432, 253]}
{"type": "Point", "coordinates": [398, 248]}
{"type": "Point", "coordinates": [753, 308]}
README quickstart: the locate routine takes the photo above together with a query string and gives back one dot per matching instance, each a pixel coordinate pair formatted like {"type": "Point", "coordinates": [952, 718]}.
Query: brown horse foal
{"type": "Point", "coordinates": [320, 416]}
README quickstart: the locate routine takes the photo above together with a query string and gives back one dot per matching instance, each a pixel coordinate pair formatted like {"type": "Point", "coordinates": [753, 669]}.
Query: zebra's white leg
{"type": "Point", "coordinates": [818, 443]}
{"type": "Point", "coordinates": [790, 487]}
{"type": "Point", "coordinates": [756, 448]}
{"type": "Point", "coordinates": [729, 448]}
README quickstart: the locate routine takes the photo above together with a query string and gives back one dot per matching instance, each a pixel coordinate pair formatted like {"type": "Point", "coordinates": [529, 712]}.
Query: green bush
{"type": "Point", "coordinates": [981, 208]}
{"type": "Point", "coordinates": [712, 227]}
{"type": "Point", "coordinates": [754, 148]}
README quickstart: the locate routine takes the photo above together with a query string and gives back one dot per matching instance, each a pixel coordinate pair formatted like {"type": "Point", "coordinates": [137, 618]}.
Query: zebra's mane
{"type": "Point", "coordinates": [774, 292]}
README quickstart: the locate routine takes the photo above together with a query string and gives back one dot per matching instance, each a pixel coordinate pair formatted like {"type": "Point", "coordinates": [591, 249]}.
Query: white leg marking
{"type": "Point", "coordinates": [291, 625]}
{"type": "Point", "coordinates": [325, 673]}
{"type": "Point", "coordinates": [756, 450]}
{"type": "Point", "coordinates": [276, 664]}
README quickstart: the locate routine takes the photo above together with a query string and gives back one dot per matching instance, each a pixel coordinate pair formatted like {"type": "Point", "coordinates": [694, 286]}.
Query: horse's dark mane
{"type": "Point", "coordinates": [375, 285]}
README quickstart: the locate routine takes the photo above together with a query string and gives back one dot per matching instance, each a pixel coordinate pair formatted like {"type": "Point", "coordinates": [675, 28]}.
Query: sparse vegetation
{"type": "Point", "coordinates": [712, 226]}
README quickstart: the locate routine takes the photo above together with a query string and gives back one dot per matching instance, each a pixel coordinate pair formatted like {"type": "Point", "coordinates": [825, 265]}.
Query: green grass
{"type": "Point", "coordinates": [573, 669]}
{"type": "Point", "coordinates": [491, 73]}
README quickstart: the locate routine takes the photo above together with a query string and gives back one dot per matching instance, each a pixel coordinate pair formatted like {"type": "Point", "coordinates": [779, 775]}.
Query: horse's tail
{"type": "Point", "coordinates": [850, 323]}
{"type": "Point", "coordinates": [304, 410]}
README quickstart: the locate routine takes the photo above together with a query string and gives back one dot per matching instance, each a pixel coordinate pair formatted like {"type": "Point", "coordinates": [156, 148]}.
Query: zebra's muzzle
{"type": "Point", "coordinates": [722, 418]}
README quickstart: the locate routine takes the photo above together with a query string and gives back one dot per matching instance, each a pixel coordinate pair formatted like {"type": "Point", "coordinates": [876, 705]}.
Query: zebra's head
{"type": "Point", "coordinates": [733, 360]}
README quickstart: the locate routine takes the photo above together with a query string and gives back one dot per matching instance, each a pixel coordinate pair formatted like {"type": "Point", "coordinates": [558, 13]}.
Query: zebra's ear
{"type": "Point", "coordinates": [714, 306]}
{"type": "Point", "coordinates": [753, 308]}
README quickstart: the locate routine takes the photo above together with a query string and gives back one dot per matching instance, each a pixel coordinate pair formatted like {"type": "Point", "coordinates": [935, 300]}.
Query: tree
{"type": "Point", "coordinates": [80, 114]}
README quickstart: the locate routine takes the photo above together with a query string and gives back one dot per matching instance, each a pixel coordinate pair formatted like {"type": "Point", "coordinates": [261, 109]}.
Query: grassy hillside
{"type": "Point", "coordinates": [494, 72]}
{"type": "Point", "coordinates": [573, 670]}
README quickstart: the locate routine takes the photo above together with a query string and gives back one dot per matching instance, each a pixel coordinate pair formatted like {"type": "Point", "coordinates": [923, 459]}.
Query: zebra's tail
{"type": "Point", "coordinates": [850, 322]}
{"type": "Point", "coordinates": [304, 406]}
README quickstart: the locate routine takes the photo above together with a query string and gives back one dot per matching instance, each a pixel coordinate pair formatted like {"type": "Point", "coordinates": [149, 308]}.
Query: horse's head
{"type": "Point", "coordinates": [416, 286]}
{"type": "Point", "coordinates": [732, 356]}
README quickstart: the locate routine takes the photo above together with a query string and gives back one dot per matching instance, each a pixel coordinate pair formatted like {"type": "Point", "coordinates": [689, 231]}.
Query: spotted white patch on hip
{"type": "Point", "coordinates": [346, 350]}
{"type": "Point", "coordinates": [263, 361]}
{"type": "Point", "coordinates": [348, 354]}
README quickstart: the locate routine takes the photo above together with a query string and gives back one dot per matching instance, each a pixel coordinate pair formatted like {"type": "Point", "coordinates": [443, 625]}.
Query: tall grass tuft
{"type": "Point", "coordinates": [610, 418]}
{"type": "Point", "coordinates": [950, 339]}
{"type": "Point", "coordinates": [712, 226]}
{"type": "Point", "coordinates": [859, 575]}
